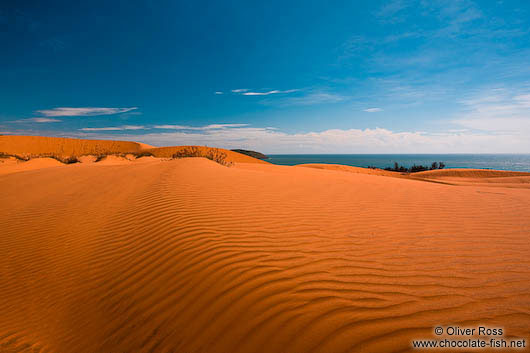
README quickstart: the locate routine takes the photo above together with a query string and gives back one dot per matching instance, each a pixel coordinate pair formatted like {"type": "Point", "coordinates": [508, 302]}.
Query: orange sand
{"type": "Point", "coordinates": [186, 255]}
{"type": "Point", "coordinates": [12, 165]}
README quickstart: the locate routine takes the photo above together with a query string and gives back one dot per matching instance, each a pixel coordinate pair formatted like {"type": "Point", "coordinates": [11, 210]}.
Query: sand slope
{"type": "Point", "coordinates": [469, 173]}
{"type": "Point", "coordinates": [350, 169]}
{"type": "Point", "coordinates": [491, 178]}
{"type": "Point", "coordinates": [190, 256]}
{"type": "Point", "coordinates": [12, 165]}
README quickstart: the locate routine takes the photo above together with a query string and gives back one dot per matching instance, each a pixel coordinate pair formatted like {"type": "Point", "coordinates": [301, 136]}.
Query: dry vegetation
{"type": "Point", "coordinates": [213, 154]}
{"type": "Point", "coordinates": [27, 157]}
{"type": "Point", "coordinates": [136, 155]}
{"type": "Point", "coordinates": [65, 149]}
{"type": "Point", "coordinates": [20, 158]}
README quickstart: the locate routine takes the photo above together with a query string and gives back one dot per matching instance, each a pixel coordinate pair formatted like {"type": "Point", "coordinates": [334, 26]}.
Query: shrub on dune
{"type": "Point", "coordinates": [64, 160]}
{"type": "Point", "coordinates": [16, 156]}
{"type": "Point", "coordinates": [212, 154]}
{"type": "Point", "coordinates": [143, 154]}
{"type": "Point", "coordinates": [415, 168]}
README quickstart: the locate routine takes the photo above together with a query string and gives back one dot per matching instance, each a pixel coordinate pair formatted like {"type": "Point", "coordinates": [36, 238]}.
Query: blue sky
{"type": "Point", "coordinates": [398, 76]}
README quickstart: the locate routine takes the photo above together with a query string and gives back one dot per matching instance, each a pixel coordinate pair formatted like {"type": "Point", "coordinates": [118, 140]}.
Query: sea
{"type": "Point", "coordinates": [513, 162]}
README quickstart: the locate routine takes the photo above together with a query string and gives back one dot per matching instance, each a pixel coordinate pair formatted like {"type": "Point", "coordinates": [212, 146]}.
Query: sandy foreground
{"type": "Point", "coordinates": [186, 255]}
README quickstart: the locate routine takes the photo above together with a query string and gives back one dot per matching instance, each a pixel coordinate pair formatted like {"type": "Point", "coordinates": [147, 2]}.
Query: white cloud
{"type": "Point", "coordinates": [207, 127]}
{"type": "Point", "coordinates": [497, 125]}
{"type": "Point", "coordinates": [260, 93]}
{"type": "Point", "coordinates": [523, 100]}
{"type": "Point", "coordinates": [83, 111]}
{"type": "Point", "coordinates": [218, 92]}
{"type": "Point", "coordinates": [239, 90]}
{"type": "Point", "coordinates": [113, 128]}
{"type": "Point", "coordinates": [377, 140]}
{"type": "Point", "coordinates": [222, 126]}
{"type": "Point", "coordinates": [269, 92]}
{"type": "Point", "coordinates": [174, 127]}
{"type": "Point", "coordinates": [37, 120]}
{"type": "Point", "coordinates": [497, 110]}
{"type": "Point", "coordinates": [373, 110]}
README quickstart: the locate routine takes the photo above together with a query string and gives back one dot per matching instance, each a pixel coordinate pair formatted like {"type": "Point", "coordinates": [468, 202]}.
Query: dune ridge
{"type": "Point", "coordinates": [61, 148]}
{"type": "Point", "coordinates": [187, 255]}
{"type": "Point", "coordinates": [231, 156]}
{"type": "Point", "coordinates": [34, 146]}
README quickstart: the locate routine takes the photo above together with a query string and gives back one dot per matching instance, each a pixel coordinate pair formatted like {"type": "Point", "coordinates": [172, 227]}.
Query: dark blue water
{"type": "Point", "coordinates": [515, 162]}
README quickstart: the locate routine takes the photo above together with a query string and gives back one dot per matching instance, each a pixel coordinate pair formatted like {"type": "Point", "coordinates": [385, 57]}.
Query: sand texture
{"type": "Point", "coordinates": [186, 255]}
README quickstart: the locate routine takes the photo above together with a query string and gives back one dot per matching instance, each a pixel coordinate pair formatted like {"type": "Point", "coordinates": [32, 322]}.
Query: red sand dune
{"type": "Point", "coordinates": [64, 147]}
{"type": "Point", "coordinates": [231, 156]}
{"type": "Point", "coordinates": [35, 146]}
{"type": "Point", "coordinates": [187, 255]}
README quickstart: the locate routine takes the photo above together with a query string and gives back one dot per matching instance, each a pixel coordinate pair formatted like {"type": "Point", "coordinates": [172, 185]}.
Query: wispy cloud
{"type": "Point", "coordinates": [390, 11]}
{"type": "Point", "coordinates": [89, 111]}
{"type": "Point", "coordinates": [311, 98]}
{"type": "Point", "coordinates": [454, 12]}
{"type": "Point", "coordinates": [498, 111]}
{"type": "Point", "coordinates": [248, 92]}
{"type": "Point", "coordinates": [261, 93]}
{"type": "Point", "coordinates": [373, 110]}
{"type": "Point", "coordinates": [174, 127]}
{"type": "Point", "coordinates": [37, 120]}
{"type": "Point", "coordinates": [200, 128]}
{"type": "Point", "coordinates": [223, 126]}
{"type": "Point", "coordinates": [523, 100]}
{"type": "Point", "coordinates": [306, 96]}
{"type": "Point", "coordinates": [113, 128]}
{"type": "Point", "coordinates": [270, 92]}
{"type": "Point", "coordinates": [459, 37]}
{"type": "Point", "coordinates": [218, 92]}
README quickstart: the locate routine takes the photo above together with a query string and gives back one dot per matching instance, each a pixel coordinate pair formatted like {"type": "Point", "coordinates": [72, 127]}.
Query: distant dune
{"type": "Point", "coordinates": [231, 155]}
{"type": "Point", "coordinates": [254, 154]}
{"type": "Point", "coordinates": [35, 146]}
{"type": "Point", "coordinates": [64, 147]}
{"type": "Point", "coordinates": [187, 255]}
{"type": "Point", "coordinates": [469, 173]}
